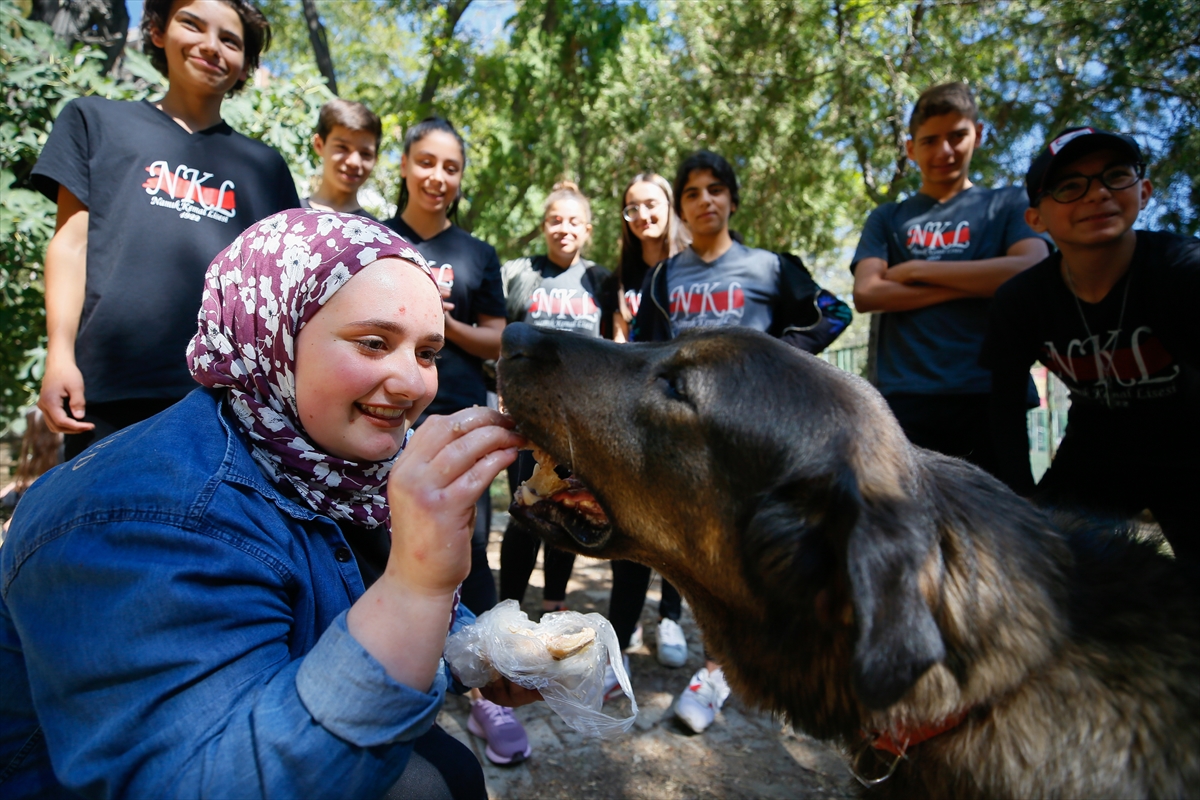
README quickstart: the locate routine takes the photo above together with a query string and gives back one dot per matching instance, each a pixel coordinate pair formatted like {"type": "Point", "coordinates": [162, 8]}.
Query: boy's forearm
{"type": "Point", "coordinates": [66, 283]}
{"type": "Point", "coordinates": [884, 295]}
{"type": "Point", "coordinates": [974, 278]}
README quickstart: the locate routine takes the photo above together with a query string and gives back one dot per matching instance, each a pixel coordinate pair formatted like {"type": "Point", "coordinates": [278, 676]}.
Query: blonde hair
{"type": "Point", "coordinates": [568, 190]}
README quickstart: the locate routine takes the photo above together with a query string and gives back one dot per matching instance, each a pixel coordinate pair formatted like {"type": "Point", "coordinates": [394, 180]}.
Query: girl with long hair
{"type": "Point", "coordinates": [650, 234]}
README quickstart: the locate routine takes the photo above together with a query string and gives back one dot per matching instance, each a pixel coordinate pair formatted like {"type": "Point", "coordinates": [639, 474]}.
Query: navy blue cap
{"type": "Point", "coordinates": [1071, 144]}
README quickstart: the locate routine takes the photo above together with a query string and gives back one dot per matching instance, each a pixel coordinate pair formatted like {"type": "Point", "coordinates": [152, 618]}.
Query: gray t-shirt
{"type": "Point", "coordinates": [738, 288]}
{"type": "Point", "coordinates": [542, 294]}
{"type": "Point", "coordinates": [935, 350]}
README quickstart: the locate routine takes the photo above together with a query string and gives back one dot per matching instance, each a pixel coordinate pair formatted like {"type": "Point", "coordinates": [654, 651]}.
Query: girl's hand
{"type": "Point", "coordinates": [432, 490]}
{"type": "Point", "coordinates": [504, 692]}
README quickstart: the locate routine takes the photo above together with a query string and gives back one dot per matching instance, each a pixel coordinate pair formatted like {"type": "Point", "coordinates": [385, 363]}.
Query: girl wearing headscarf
{"type": "Point", "coordinates": [248, 594]}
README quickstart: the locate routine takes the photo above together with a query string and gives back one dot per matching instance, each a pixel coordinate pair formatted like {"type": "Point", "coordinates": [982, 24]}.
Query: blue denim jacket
{"type": "Point", "coordinates": [171, 625]}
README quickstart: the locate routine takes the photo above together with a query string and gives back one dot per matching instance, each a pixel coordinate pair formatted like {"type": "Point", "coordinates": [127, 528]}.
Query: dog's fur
{"type": "Point", "coordinates": [854, 582]}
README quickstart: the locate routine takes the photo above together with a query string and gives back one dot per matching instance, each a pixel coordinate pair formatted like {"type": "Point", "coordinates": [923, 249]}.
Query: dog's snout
{"type": "Point", "coordinates": [519, 341]}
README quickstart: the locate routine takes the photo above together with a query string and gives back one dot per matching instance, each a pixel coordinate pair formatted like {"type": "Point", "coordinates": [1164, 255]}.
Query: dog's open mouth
{"type": "Point", "coordinates": [553, 498]}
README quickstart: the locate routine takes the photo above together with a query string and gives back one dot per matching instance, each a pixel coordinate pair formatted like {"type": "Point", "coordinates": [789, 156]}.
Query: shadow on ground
{"type": "Point", "coordinates": [745, 754]}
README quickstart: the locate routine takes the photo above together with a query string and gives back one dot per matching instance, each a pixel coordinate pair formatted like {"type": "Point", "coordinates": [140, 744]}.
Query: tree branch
{"type": "Point", "coordinates": [320, 44]}
{"type": "Point", "coordinates": [441, 46]}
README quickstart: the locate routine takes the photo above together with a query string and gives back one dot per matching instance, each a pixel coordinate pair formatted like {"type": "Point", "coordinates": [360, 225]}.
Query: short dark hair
{"type": "Point", "coordinates": [415, 134]}
{"type": "Point", "coordinates": [351, 116]}
{"type": "Point", "coordinates": [945, 98]}
{"type": "Point", "coordinates": [256, 33]}
{"type": "Point", "coordinates": [708, 161]}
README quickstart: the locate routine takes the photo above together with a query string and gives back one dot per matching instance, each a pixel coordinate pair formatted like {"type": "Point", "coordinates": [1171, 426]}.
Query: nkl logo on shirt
{"type": "Point", "coordinates": [189, 196]}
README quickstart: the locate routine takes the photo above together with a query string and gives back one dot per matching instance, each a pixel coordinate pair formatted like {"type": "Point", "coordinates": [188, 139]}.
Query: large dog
{"type": "Point", "coordinates": [907, 605]}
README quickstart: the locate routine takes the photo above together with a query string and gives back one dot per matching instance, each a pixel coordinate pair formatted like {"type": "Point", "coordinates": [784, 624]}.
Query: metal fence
{"type": "Point", "coordinates": [850, 359]}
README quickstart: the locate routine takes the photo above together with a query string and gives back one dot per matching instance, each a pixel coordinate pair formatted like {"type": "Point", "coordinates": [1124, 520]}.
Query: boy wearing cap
{"type": "Point", "coordinates": [1112, 314]}
{"type": "Point", "coordinates": [931, 263]}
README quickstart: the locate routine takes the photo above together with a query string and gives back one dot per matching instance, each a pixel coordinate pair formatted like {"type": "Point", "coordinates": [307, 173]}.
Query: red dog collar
{"type": "Point", "coordinates": [898, 742]}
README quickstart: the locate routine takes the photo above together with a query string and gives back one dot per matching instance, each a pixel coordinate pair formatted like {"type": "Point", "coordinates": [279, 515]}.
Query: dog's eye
{"type": "Point", "coordinates": [672, 387]}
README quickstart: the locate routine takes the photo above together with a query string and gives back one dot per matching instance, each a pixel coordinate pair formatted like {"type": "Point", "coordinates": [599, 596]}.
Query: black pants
{"type": "Point", "coordinates": [519, 550]}
{"type": "Point", "coordinates": [630, 582]}
{"type": "Point", "coordinates": [1120, 473]}
{"type": "Point", "coordinates": [479, 589]}
{"type": "Point", "coordinates": [110, 418]}
{"type": "Point", "coordinates": [952, 424]}
{"type": "Point", "coordinates": [440, 768]}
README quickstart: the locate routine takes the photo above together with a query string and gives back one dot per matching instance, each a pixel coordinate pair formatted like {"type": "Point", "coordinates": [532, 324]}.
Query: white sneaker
{"type": "Point", "coordinates": [697, 707]}
{"type": "Point", "coordinates": [612, 687]}
{"type": "Point", "coordinates": [635, 640]}
{"type": "Point", "coordinates": [672, 646]}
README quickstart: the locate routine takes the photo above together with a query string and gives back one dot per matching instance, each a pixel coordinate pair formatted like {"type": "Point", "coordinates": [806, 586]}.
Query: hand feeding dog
{"type": "Point", "coordinates": [957, 640]}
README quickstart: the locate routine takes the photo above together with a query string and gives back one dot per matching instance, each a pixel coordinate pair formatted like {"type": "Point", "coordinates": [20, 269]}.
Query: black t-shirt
{"type": "Point", "coordinates": [471, 269]}
{"type": "Point", "coordinates": [362, 212]}
{"type": "Point", "coordinates": [1130, 361]}
{"type": "Point", "coordinates": [162, 204]}
{"type": "Point", "coordinates": [371, 548]}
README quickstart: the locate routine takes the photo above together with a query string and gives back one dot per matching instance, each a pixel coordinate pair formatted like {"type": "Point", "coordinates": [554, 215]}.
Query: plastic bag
{"type": "Point", "coordinates": [503, 641]}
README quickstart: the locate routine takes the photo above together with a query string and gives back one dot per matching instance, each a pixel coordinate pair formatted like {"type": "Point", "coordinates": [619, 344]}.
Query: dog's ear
{"type": "Point", "coordinates": [791, 540]}
{"type": "Point", "coordinates": [898, 639]}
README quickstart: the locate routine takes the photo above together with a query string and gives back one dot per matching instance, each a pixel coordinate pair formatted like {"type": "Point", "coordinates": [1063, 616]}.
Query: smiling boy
{"type": "Point", "coordinates": [931, 263]}
{"type": "Point", "coordinates": [347, 140]}
{"type": "Point", "coordinates": [1113, 315]}
{"type": "Point", "coordinates": [172, 185]}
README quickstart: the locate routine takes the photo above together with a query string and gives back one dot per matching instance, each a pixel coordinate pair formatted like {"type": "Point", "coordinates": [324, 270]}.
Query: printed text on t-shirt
{"type": "Point", "coordinates": [935, 238]}
{"type": "Point", "coordinates": [571, 304]}
{"type": "Point", "coordinates": [707, 303]}
{"type": "Point", "coordinates": [1088, 365]}
{"type": "Point", "coordinates": [186, 193]}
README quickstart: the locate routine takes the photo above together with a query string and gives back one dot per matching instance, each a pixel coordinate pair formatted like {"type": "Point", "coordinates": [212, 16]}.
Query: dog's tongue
{"type": "Point", "coordinates": [545, 485]}
{"type": "Point", "coordinates": [580, 499]}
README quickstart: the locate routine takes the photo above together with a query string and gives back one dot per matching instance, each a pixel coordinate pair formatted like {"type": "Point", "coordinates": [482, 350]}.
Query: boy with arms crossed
{"type": "Point", "coordinates": [347, 140]}
{"type": "Point", "coordinates": [1112, 315]}
{"type": "Point", "coordinates": [930, 263]}
{"type": "Point", "coordinates": [172, 185]}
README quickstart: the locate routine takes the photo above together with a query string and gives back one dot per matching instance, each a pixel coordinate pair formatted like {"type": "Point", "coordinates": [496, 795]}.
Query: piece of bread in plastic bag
{"type": "Point", "coordinates": [563, 656]}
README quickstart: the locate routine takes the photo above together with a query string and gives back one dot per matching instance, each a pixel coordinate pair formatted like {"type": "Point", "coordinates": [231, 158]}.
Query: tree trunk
{"type": "Point", "coordinates": [454, 11]}
{"type": "Point", "coordinates": [102, 23]}
{"type": "Point", "coordinates": [320, 44]}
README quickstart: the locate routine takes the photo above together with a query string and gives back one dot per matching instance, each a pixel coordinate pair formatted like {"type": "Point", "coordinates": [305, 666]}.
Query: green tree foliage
{"type": "Point", "coordinates": [810, 100]}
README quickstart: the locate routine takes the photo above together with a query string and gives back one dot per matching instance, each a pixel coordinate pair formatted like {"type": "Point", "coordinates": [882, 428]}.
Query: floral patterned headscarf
{"type": "Point", "coordinates": [258, 295]}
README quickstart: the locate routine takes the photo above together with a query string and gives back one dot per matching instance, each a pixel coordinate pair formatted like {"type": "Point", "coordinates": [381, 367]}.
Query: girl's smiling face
{"type": "Point", "coordinates": [567, 230]}
{"type": "Point", "coordinates": [433, 170]}
{"type": "Point", "coordinates": [365, 363]}
{"type": "Point", "coordinates": [651, 212]}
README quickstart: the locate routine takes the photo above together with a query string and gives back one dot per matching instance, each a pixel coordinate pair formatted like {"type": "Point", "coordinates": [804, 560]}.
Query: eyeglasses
{"type": "Point", "coordinates": [634, 210]}
{"type": "Point", "coordinates": [1115, 178]}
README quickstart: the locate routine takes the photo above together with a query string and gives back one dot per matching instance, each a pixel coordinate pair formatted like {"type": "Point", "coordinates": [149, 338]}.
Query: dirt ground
{"type": "Point", "coordinates": [745, 754]}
